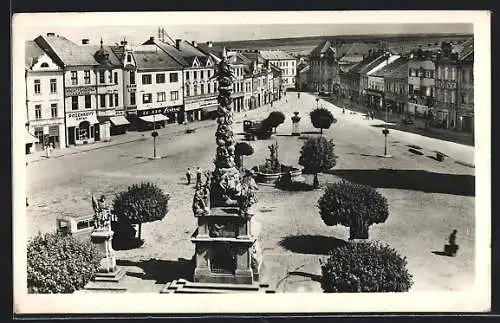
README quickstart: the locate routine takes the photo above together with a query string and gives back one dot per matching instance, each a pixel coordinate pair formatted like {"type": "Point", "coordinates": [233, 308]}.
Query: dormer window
{"type": "Point", "coordinates": [129, 59]}
{"type": "Point", "coordinates": [44, 65]}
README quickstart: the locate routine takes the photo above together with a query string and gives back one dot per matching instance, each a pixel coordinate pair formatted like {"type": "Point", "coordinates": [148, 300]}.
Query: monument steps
{"type": "Point", "coordinates": [186, 287]}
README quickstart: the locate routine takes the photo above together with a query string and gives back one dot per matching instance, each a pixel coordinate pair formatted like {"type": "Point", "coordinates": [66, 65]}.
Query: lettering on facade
{"type": "Point", "coordinates": [80, 116]}
{"type": "Point", "coordinates": [165, 110]}
{"type": "Point", "coordinates": [81, 90]}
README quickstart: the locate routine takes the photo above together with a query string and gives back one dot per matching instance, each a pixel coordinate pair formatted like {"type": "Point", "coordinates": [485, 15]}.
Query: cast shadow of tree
{"type": "Point", "coordinates": [411, 179]}
{"type": "Point", "coordinates": [162, 271]}
{"type": "Point", "coordinates": [311, 244]}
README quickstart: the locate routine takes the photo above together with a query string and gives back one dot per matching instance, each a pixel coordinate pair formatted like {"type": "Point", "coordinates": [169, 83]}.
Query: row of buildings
{"type": "Point", "coordinates": [435, 84]}
{"type": "Point", "coordinates": [82, 93]}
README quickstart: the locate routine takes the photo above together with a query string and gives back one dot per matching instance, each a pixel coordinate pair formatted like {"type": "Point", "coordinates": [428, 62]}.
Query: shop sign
{"type": "Point", "coordinates": [53, 131]}
{"type": "Point", "coordinates": [73, 118]}
{"type": "Point", "coordinates": [165, 110]}
{"type": "Point", "coordinates": [81, 90]}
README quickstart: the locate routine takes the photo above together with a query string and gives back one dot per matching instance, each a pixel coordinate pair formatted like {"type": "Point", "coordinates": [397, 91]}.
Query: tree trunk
{"type": "Point", "coordinates": [316, 181]}
{"type": "Point", "coordinates": [140, 230]}
{"type": "Point", "coordinates": [358, 229]}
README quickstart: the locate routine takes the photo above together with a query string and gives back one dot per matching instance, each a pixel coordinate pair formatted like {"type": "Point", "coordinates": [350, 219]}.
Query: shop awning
{"type": "Point", "coordinates": [154, 118]}
{"type": "Point", "coordinates": [119, 120]}
{"type": "Point", "coordinates": [30, 139]}
{"type": "Point", "coordinates": [211, 108]}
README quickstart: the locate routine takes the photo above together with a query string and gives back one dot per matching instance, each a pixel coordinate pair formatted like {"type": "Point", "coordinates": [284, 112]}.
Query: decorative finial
{"type": "Point", "coordinates": [101, 42]}
{"type": "Point", "coordinates": [224, 53]}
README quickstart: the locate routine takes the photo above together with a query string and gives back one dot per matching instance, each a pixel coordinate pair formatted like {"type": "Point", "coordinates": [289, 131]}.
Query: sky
{"type": "Point", "coordinates": [203, 33]}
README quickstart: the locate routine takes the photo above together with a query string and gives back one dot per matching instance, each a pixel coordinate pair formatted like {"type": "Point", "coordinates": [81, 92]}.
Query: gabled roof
{"type": "Point", "coordinates": [368, 63]}
{"type": "Point", "coordinates": [396, 69]}
{"type": "Point", "coordinates": [304, 69]}
{"type": "Point", "coordinates": [254, 56]}
{"type": "Point", "coordinates": [321, 49]}
{"type": "Point", "coordinates": [276, 55]}
{"type": "Point", "coordinates": [154, 59]}
{"type": "Point", "coordinates": [466, 49]}
{"type": "Point", "coordinates": [355, 49]}
{"type": "Point", "coordinates": [170, 50]}
{"type": "Point", "coordinates": [32, 53]}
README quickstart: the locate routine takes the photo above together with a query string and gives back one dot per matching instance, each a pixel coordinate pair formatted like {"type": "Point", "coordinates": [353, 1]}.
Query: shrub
{"type": "Point", "coordinates": [353, 205]}
{"type": "Point", "coordinates": [365, 267]}
{"type": "Point", "coordinates": [317, 155]}
{"type": "Point", "coordinates": [141, 203]}
{"type": "Point", "coordinates": [242, 149]}
{"type": "Point", "coordinates": [60, 264]}
{"type": "Point", "coordinates": [322, 118]}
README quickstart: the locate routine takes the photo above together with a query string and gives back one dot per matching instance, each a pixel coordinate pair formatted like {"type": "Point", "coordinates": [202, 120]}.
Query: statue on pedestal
{"type": "Point", "coordinates": [102, 218]}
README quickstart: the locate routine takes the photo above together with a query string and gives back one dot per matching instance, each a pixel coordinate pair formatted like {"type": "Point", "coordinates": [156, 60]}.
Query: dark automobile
{"type": "Point", "coordinates": [256, 129]}
{"type": "Point", "coordinates": [407, 120]}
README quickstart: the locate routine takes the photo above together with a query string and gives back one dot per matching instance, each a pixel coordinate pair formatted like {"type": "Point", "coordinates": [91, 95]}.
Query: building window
{"type": "Point", "coordinates": [195, 89]}
{"type": "Point", "coordinates": [188, 90]}
{"type": "Point", "coordinates": [452, 97]}
{"type": "Point", "coordinates": [116, 99]}
{"type": "Point", "coordinates": [174, 95]}
{"type": "Point", "coordinates": [471, 76]}
{"type": "Point", "coordinates": [209, 88]}
{"type": "Point", "coordinates": [147, 98]}
{"type": "Point", "coordinates": [201, 75]}
{"type": "Point", "coordinates": [37, 86]}
{"type": "Point", "coordinates": [74, 103]}
{"type": "Point", "coordinates": [88, 102]}
{"type": "Point", "coordinates": [132, 98]}
{"type": "Point", "coordinates": [174, 77]}
{"type": "Point", "coordinates": [111, 100]}
{"type": "Point", "coordinates": [101, 77]}
{"type": "Point", "coordinates": [160, 97]}
{"type": "Point", "coordinates": [208, 73]}
{"type": "Point", "coordinates": [102, 100]}
{"type": "Point", "coordinates": [53, 86]}
{"type": "Point", "coordinates": [132, 77]}
{"type": "Point", "coordinates": [44, 65]}
{"type": "Point", "coordinates": [195, 75]}
{"type": "Point", "coordinates": [202, 88]}
{"type": "Point", "coordinates": [160, 78]}
{"type": "Point", "coordinates": [74, 77]}
{"type": "Point", "coordinates": [38, 111]}
{"type": "Point", "coordinates": [39, 134]}
{"type": "Point", "coordinates": [110, 77]}
{"type": "Point", "coordinates": [116, 77]}
{"type": "Point", "coordinates": [86, 77]}
{"type": "Point", "coordinates": [146, 79]}
{"type": "Point", "coordinates": [413, 72]}
{"type": "Point", "coordinates": [129, 58]}
{"type": "Point", "coordinates": [53, 110]}
{"type": "Point", "coordinates": [187, 75]}
{"type": "Point", "coordinates": [463, 98]}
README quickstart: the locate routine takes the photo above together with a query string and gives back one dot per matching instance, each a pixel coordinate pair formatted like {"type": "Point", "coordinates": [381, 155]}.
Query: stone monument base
{"type": "Point", "coordinates": [182, 286]}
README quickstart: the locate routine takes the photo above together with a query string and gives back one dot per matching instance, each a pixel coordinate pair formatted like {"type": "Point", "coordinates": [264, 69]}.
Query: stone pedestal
{"type": "Point", "coordinates": [295, 124]}
{"type": "Point", "coordinates": [226, 248]}
{"type": "Point", "coordinates": [108, 270]}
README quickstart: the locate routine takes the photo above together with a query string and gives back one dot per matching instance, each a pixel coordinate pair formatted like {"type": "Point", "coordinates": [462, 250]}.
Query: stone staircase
{"type": "Point", "coordinates": [182, 286]}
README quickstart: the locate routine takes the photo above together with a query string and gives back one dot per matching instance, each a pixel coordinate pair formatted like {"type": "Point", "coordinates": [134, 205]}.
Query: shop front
{"type": "Point", "coordinates": [156, 118]}
{"type": "Point", "coordinates": [81, 127]}
{"type": "Point", "coordinates": [209, 108]}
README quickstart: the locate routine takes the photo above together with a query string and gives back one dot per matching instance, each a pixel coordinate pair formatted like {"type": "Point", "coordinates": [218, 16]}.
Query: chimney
{"type": "Point", "coordinates": [85, 41]}
{"type": "Point", "coordinates": [195, 44]}
{"type": "Point", "coordinates": [151, 38]}
{"type": "Point", "coordinates": [178, 43]}
{"type": "Point", "coordinates": [123, 43]}
{"type": "Point", "coordinates": [209, 44]}
{"type": "Point", "coordinates": [50, 34]}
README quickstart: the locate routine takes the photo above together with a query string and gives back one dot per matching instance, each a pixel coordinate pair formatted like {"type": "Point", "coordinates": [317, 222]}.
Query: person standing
{"type": "Point", "coordinates": [198, 175]}
{"type": "Point", "coordinates": [188, 176]}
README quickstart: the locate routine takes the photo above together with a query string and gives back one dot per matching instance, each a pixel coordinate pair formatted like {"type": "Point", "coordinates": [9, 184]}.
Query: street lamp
{"type": "Point", "coordinates": [154, 134]}
{"type": "Point", "coordinates": [385, 131]}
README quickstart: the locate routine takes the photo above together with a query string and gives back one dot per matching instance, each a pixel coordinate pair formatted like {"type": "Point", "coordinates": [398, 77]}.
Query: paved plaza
{"type": "Point", "coordinates": [427, 199]}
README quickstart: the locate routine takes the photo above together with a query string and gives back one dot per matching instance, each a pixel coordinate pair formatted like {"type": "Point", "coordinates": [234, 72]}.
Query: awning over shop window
{"type": "Point", "coordinates": [210, 109]}
{"type": "Point", "coordinates": [119, 120]}
{"type": "Point", "coordinates": [30, 139]}
{"type": "Point", "coordinates": [154, 118]}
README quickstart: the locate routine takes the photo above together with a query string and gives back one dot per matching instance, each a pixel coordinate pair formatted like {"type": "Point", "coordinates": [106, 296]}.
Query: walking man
{"type": "Point", "coordinates": [198, 175]}
{"type": "Point", "coordinates": [188, 176]}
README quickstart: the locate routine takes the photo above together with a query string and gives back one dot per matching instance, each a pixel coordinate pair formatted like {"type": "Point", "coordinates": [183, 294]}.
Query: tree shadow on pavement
{"type": "Point", "coordinates": [162, 271]}
{"type": "Point", "coordinates": [441, 253]}
{"type": "Point", "coordinates": [411, 179]}
{"type": "Point", "coordinates": [311, 244]}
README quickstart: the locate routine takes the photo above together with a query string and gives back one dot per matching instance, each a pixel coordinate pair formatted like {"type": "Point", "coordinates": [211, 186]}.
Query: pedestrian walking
{"type": "Point", "coordinates": [198, 175]}
{"type": "Point", "coordinates": [188, 176]}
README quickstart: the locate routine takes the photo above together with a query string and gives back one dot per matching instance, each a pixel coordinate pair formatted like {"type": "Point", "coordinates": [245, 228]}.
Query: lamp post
{"type": "Point", "coordinates": [154, 134]}
{"type": "Point", "coordinates": [385, 131]}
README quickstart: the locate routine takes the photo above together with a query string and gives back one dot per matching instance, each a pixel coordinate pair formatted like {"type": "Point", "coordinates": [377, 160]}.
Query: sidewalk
{"type": "Point", "coordinates": [170, 129]}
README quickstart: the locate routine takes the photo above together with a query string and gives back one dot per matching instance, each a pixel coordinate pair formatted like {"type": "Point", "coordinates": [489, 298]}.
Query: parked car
{"type": "Point", "coordinates": [407, 120]}
{"type": "Point", "coordinates": [255, 129]}
{"type": "Point", "coordinates": [78, 226]}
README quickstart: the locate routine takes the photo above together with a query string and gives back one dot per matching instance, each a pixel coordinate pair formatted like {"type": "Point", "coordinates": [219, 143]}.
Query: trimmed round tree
{"type": "Point", "coordinates": [242, 149]}
{"type": "Point", "coordinates": [316, 156]}
{"type": "Point", "coordinates": [322, 118]}
{"type": "Point", "coordinates": [353, 205]}
{"type": "Point", "coordinates": [140, 203]}
{"type": "Point", "coordinates": [275, 119]}
{"type": "Point", "coordinates": [365, 268]}
{"type": "Point", "coordinates": [60, 264]}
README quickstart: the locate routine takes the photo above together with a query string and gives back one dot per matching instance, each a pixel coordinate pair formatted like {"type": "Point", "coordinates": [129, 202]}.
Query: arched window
{"type": "Point", "coordinates": [44, 65]}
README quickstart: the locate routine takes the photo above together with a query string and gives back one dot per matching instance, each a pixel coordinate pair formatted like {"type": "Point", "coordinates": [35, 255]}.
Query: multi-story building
{"type": "Point", "coordinates": [396, 85]}
{"type": "Point", "coordinates": [465, 113]}
{"type": "Point", "coordinates": [446, 85]}
{"type": "Point", "coordinates": [304, 78]}
{"type": "Point", "coordinates": [373, 83]}
{"type": "Point", "coordinates": [286, 62]}
{"type": "Point", "coordinates": [324, 68]}
{"type": "Point", "coordinates": [277, 82]}
{"type": "Point", "coordinates": [421, 85]}
{"type": "Point", "coordinates": [92, 87]}
{"type": "Point", "coordinates": [158, 95]}
{"type": "Point", "coordinates": [44, 100]}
